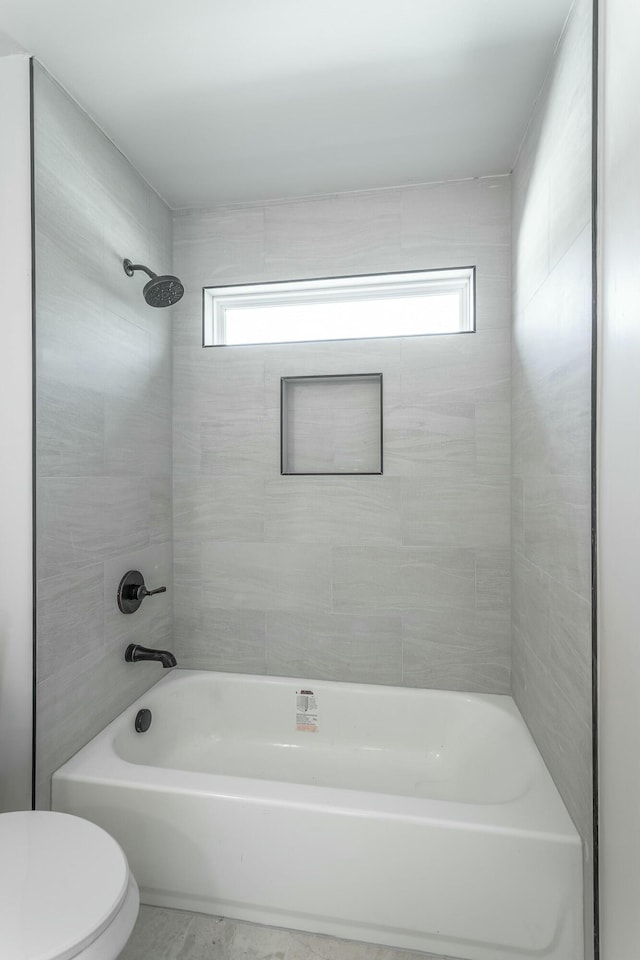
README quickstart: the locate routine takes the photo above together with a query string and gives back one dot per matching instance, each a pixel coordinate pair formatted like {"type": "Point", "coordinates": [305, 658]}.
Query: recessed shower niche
{"type": "Point", "coordinates": [331, 424]}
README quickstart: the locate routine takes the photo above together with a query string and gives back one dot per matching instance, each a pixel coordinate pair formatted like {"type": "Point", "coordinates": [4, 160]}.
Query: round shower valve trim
{"type": "Point", "coordinates": [132, 591]}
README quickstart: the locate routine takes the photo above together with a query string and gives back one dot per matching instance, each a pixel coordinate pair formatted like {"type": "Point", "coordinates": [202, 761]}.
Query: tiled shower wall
{"type": "Point", "coordinates": [103, 433]}
{"type": "Point", "coordinates": [552, 258]}
{"type": "Point", "coordinates": [400, 578]}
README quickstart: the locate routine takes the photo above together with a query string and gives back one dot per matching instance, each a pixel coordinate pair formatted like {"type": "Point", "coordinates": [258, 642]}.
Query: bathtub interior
{"type": "Point", "coordinates": [449, 746]}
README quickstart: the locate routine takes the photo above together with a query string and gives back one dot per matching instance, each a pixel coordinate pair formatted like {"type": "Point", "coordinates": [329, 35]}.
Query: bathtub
{"type": "Point", "coordinates": [414, 818]}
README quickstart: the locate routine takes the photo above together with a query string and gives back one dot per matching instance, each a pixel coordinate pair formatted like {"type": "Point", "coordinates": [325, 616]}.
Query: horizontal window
{"type": "Point", "coordinates": [343, 308]}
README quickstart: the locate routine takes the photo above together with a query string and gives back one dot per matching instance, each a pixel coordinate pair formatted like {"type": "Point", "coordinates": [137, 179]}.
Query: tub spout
{"type": "Point", "coordinates": [134, 653]}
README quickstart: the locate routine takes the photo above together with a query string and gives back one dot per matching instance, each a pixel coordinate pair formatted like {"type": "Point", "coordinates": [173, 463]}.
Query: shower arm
{"type": "Point", "coordinates": [129, 269]}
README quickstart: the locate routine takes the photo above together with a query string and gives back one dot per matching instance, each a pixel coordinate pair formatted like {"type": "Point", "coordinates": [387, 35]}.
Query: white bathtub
{"type": "Point", "coordinates": [413, 818]}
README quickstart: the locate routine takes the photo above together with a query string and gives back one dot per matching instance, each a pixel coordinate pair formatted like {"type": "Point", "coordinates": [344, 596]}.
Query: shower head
{"type": "Point", "coordinates": [159, 291]}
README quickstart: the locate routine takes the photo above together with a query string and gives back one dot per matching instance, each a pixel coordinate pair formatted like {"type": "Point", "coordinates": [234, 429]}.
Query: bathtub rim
{"type": "Point", "coordinates": [538, 813]}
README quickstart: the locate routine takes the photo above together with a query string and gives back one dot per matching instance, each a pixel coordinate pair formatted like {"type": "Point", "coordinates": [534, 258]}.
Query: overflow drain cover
{"type": "Point", "coordinates": [143, 720]}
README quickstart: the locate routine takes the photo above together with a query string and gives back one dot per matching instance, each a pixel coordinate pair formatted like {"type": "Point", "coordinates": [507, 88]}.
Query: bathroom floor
{"type": "Point", "coordinates": [162, 934]}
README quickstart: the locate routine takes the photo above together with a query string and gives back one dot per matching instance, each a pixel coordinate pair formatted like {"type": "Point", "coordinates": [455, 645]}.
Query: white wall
{"type": "Point", "coordinates": [16, 595]}
{"type": "Point", "coordinates": [619, 481]}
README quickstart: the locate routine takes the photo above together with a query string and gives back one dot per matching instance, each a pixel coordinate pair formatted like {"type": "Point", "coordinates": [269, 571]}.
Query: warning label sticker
{"type": "Point", "coordinates": [306, 711]}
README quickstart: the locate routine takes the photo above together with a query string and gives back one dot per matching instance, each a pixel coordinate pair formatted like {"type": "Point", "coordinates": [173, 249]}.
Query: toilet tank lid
{"type": "Point", "coordinates": [62, 881]}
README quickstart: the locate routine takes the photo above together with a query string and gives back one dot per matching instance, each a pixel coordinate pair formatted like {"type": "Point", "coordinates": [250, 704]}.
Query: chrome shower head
{"type": "Point", "coordinates": [159, 291]}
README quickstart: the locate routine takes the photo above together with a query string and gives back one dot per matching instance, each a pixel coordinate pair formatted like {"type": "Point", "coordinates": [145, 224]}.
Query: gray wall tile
{"type": "Point", "coordinates": [551, 423]}
{"type": "Point", "coordinates": [456, 511]}
{"type": "Point", "coordinates": [301, 509]}
{"type": "Point", "coordinates": [160, 509]}
{"type": "Point", "coordinates": [569, 655]}
{"type": "Point", "coordinates": [359, 649]}
{"type": "Point", "coordinates": [439, 665]}
{"type": "Point", "coordinates": [103, 436]}
{"type": "Point", "coordinates": [530, 605]}
{"type": "Point", "coordinates": [217, 380]}
{"type": "Point", "coordinates": [517, 515]}
{"type": "Point", "coordinates": [552, 350]}
{"type": "Point", "coordinates": [493, 438]}
{"type": "Point", "coordinates": [211, 248]}
{"type": "Point", "coordinates": [430, 438]}
{"type": "Point", "coordinates": [557, 530]}
{"type": "Point", "coordinates": [70, 425]}
{"type": "Point", "coordinates": [493, 582]}
{"type": "Point", "coordinates": [446, 424]}
{"type": "Point", "coordinates": [389, 580]}
{"type": "Point", "coordinates": [333, 510]}
{"type": "Point", "coordinates": [331, 358]}
{"type": "Point", "coordinates": [219, 508]}
{"type": "Point", "coordinates": [187, 560]}
{"type": "Point", "coordinates": [217, 639]}
{"type": "Point", "coordinates": [70, 619]}
{"type": "Point", "coordinates": [463, 368]}
{"type": "Point", "coordinates": [449, 229]}
{"type": "Point", "coordinates": [236, 443]}
{"type": "Point", "coordinates": [333, 236]}
{"type": "Point", "coordinates": [463, 649]}
{"type": "Point", "coordinates": [267, 576]}
{"type": "Point", "coordinates": [126, 422]}
{"type": "Point", "coordinates": [187, 448]}
{"type": "Point", "coordinates": [84, 520]}
{"type": "Point", "coordinates": [187, 619]}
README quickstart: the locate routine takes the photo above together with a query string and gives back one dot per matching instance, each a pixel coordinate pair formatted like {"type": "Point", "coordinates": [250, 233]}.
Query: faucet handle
{"type": "Point", "coordinates": [143, 592]}
{"type": "Point", "coordinates": [132, 591]}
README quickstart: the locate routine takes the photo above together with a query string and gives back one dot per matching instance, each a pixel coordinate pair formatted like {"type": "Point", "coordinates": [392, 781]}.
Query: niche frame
{"type": "Point", "coordinates": [289, 381]}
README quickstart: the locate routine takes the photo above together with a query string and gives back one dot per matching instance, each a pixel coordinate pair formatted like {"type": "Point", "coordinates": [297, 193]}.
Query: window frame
{"type": "Point", "coordinates": [216, 299]}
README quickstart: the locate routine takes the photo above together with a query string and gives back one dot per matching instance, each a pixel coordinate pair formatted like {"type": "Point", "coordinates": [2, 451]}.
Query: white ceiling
{"type": "Point", "coordinates": [218, 101]}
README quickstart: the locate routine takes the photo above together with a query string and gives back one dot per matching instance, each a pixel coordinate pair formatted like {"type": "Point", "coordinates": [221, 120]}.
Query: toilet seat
{"type": "Point", "coordinates": [63, 882]}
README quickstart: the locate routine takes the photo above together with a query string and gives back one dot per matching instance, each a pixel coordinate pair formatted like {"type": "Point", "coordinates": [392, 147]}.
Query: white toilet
{"type": "Point", "coordinates": [66, 892]}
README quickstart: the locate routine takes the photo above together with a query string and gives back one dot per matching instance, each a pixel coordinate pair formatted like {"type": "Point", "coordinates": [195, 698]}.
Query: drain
{"type": "Point", "coordinates": [143, 720]}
